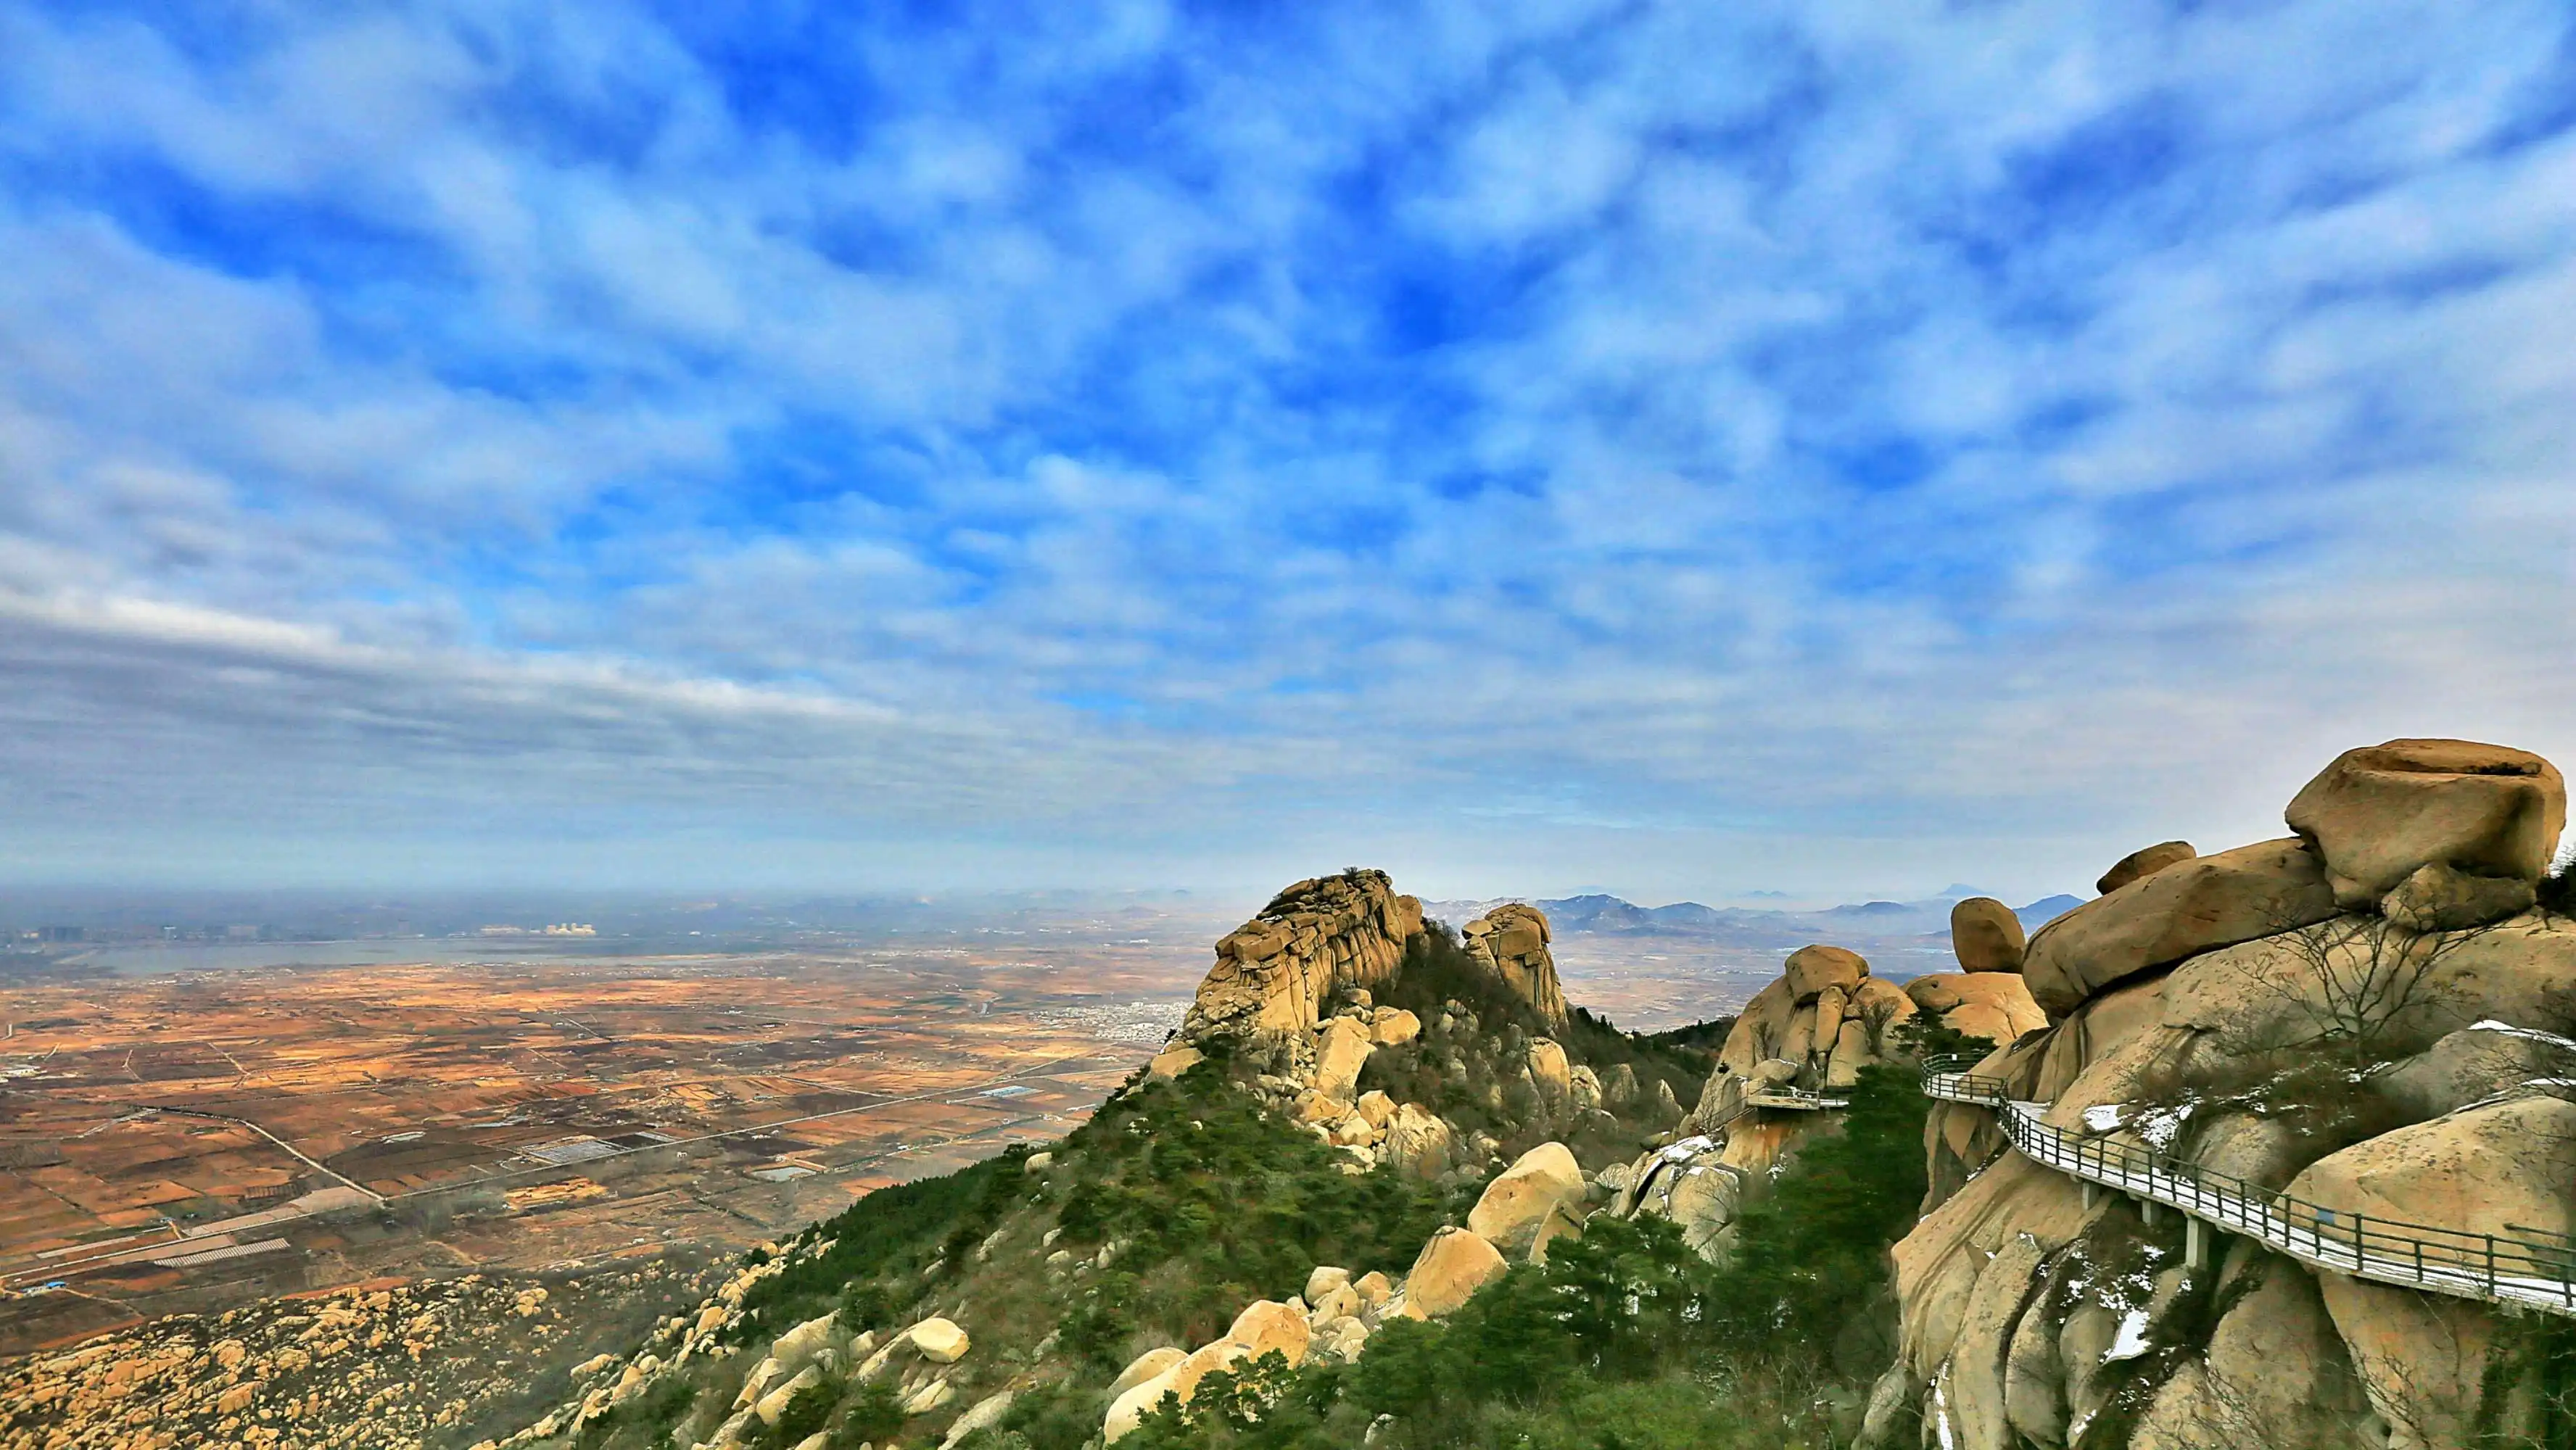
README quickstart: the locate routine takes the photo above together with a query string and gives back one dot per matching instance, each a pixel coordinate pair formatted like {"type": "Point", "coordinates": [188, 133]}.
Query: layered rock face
{"type": "Point", "coordinates": [2227, 1012]}
{"type": "Point", "coordinates": [1275, 975]}
{"type": "Point", "coordinates": [1511, 942]}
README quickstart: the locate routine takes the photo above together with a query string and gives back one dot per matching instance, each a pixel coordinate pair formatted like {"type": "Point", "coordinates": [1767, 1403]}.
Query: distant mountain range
{"type": "Point", "coordinates": [1597, 912]}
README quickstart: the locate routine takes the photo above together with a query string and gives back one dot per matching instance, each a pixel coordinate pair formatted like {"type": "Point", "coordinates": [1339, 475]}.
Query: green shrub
{"type": "Point", "coordinates": [805, 1412]}
{"type": "Point", "coordinates": [1811, 1255]}
{"type": "Point", "coordinates": [896, 1230]}
{"type": "Point", "coordinates": [1217, 1203]}
{"type": "Point", "coordinates": [873, 1416]}
{"type": "Point", "coordinates": [2558, 888]}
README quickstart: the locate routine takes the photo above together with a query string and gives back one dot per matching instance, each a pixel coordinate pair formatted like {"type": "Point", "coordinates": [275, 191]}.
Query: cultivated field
{"type": "Point", "coordinates": [182, 1143]}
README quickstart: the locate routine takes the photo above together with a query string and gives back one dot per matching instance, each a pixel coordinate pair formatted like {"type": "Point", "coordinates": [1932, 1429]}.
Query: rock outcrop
{"type": "Point", "coordinates": [1511, 941]}
{"type": "Point", "coordinates": [2145, 861]}
{"type": "Point", "coordinates": [1453, 1265]}
{"type": "Point", "coordinates": [1996, 1006]}
{"type": "Point", "coordinates": [1811, 1031]}
{"type": "Point", "coordinates": [1985, 936]}
{"type": "Point", "coordinates": [2379, 813]}
{"type": "Point", "coordinates": [1538, 1197]}
{"type": "Point", "coordinates": [2205, 1010]}
{"type": "Point", "coordinates": [2183, 910]}
{"type": "Point", "coordinates": [1275, 975]}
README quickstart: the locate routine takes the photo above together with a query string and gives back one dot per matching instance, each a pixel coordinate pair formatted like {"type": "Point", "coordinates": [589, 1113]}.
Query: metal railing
{"type": "Point", "coordinates": [2536, 1272]}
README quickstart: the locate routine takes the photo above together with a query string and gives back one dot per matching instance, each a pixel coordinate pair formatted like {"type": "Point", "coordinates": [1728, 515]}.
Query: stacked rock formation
{"type": "Point", "coordinates": [1813, 1031]}
{"type": "Point", "coordinates": [1511, 942]}
{"type": "Point", "coordinates": [1275, 975]}
{"type": "Point", "coordinates": [2207, 1011]}
{"type": "Point", "coordinates": [1987, 997]}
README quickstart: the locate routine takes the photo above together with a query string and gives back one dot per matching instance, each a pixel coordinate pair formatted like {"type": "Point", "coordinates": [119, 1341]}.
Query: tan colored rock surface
{"type": "Point", "coordinates": [1373, 1287]}
{"type": "Point", "coordinates": [984, 1414]}
{"type": "Point", "coordinates": [1985, 936]}
{"type": "Point", "coordinates": [2473, 1064]}
{"type": "Point", "coordinates": [1811, 969]}
{"type": "Point", "coordinates": [1172, 1062]}
{"type": "Point", "coordinates": [940, 1341]}
{"type": "Point", "coordinates": [1341, 1051]}
{"type": "Point", "coordinates": [1551, 1073]}
{"type": "Point", "coordinates": [1453, 1265]}
{"type": "Point", "coordinates": [2146, 861]}
{"type": "Point", "coordinates": [1620, 1085]}
{"type": "Point", "coordinates": [2379, 812]}
{"type": "Point", "coordinates": [1419, 1142]}
{"type": "Point", "coordinates": [2422, 1358]}
{"type": "Point", "coordinates": [2275, 1374]}
{"type": "Point", "coordinates": [799, 1346]}
{"type": "Point", "coordinates": [1586, 1087]}
{"type": "Point", "coordinates": [1701, 1197]}
{"type": "Point", "coordinates": [2500, 1168]}
{"type": "Point", "coordinates": [1129, 1408]}
{"type": "Point", "coordinates": [1972, 1378]}
{"type": "Point", "coordinates": [1376, 1107]}
{"type": "Point", "coordinates": [1274, 974]}
{"type": "Point", "coordinates": [1206, 1360]}
{"type": "Point", "coordinates": [1144, 1367]}
{"type": "Point", "coordinates": [1511, 941]}
{"type": "Point", "coordinates": [1340, 1302]}
{"type": "Point", "coordinates": [1829, 1019]}
{"type": "Point", "coordinates": [2442, 898]}
{"type": "Point", "coordinates": [1938, 1265]}
{"type": "Point", "coordinates": [773, 1403]}
{"type": "Point", "coordinates": [1761, 1029]}
{"type": "Point", "coordinates": [1851, 1053]}
{"type": "Point", "coordinates": [2180, 911]}
{"type": "Point", "coordinates": [1267, 1325]}
{"type": "Point", "coordinates": [1996, 1006]}
{"type": "Point", "coordinates": [1542, 1183]}
{"type": "Point", "coordinates": [1394, 1027]}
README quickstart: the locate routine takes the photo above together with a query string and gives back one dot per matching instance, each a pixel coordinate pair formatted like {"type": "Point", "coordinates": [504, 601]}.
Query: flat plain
{"type": "Point", "coordinates": [187, 1142]}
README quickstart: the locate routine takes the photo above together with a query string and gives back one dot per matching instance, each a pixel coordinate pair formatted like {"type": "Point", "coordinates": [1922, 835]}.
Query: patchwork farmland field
{"type": "Point", "coordinates": [183, 1143]}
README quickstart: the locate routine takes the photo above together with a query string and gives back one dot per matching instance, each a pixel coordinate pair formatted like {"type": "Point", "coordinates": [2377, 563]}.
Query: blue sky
{"type": "Point", "coordinates": [1689, 448]}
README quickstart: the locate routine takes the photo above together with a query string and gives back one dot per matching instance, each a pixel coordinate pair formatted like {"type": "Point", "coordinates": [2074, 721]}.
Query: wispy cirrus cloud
{"type": "Point", "coordinates": [1832, 440]}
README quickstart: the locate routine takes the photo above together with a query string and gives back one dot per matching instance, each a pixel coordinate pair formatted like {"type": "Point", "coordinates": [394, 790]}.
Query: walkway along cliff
{"type": "Point", "coordinates": [2292, 1165]}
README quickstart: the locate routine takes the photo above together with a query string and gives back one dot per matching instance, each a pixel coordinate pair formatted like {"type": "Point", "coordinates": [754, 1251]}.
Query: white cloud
{"type": "Point", "coordinates": [1895, 423]}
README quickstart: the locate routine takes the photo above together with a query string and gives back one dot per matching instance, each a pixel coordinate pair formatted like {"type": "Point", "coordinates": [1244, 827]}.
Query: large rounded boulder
{"type": "Point", "coordinates": [1811, 969]}
{"type": "Point", "coordinates": [1452, 1266]}
{"type": "Point", "coordinates": [2181, 911]}
{"type": "Point", "coordinates": [1544, 1183]}
{"type": "Point", "coordinates": [2379, 813]}
{"type": "Point", "coordinates": [2145, 861]}
{"type": "Point", "coordinates": [1985, 936]}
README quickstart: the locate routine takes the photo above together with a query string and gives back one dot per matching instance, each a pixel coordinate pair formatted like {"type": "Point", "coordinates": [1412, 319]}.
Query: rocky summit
{"type": "Point", "coordinates": [2269, 1146]}
{"type": "Point", "coordinates": [1274, 973]}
